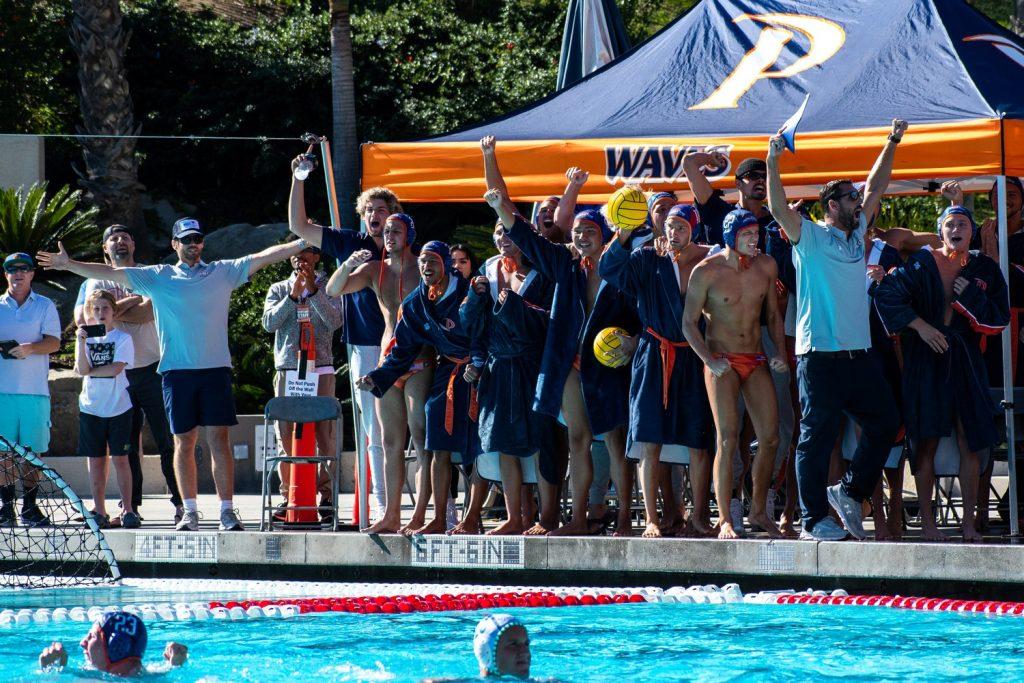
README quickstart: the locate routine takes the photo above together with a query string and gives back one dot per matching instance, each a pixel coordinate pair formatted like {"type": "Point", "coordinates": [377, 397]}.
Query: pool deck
{"type": "Point", "coordinates": [994, 570]}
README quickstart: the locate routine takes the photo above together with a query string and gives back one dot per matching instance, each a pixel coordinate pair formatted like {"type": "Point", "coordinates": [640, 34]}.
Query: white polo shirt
{"type": "Point", "coordinates": [27, 324]}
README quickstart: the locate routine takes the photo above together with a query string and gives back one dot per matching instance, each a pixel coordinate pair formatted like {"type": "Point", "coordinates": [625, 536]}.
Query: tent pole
{"type": "Point", "coordinates": [1011, 451]}
{"type": "Point", "coordinates": [362, 502]}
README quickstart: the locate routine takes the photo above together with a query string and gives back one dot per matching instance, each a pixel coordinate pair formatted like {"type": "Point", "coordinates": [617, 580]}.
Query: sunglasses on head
{"type": "Point", "coordinates": [19, 268]}
{"type": "Point", "coordinates": [191, 239]}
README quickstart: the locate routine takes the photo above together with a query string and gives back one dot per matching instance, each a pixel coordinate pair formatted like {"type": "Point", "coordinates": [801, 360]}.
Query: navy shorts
{"type": "Point", "coordinates": [98, 436]}
{"type": "Point", "coordinates": [199, 398]}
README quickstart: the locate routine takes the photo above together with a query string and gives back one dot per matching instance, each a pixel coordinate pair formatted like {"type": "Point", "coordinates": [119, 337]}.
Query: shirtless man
{"type": "Point", "coordinates": [391, 280]}
{"type": "Point", "coordinates": [730, 290]}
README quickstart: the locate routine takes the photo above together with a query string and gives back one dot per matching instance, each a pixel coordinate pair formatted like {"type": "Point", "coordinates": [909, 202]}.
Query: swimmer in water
{"type": "Point", "coordinates": [114, 645]}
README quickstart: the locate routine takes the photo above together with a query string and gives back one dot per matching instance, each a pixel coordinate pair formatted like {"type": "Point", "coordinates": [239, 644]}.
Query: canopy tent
{"type": "Point", "coordinates": [727, 75]}
{"type": "Point", "coordinates": [593, 36]}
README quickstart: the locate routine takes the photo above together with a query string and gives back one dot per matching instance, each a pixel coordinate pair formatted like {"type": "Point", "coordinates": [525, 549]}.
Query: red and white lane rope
{"type": "Point", "coordinates": [900, 602]}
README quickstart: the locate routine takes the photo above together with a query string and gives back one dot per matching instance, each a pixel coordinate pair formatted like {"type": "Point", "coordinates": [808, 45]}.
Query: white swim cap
{"type": "Point", "coordinates": [488, 633]}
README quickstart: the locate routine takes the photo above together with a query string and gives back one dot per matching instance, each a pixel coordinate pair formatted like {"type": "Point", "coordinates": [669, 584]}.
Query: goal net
{"type": "Point", "coordinates": [62, 546]}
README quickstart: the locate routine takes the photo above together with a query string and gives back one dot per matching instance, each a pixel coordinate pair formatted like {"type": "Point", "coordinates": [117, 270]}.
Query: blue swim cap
{"type": "Point", "coordinates": [125, 636]}
{"type": "Point", "coordinates": [598, 219]}
{"type": "Point", "coordinates": [654, 198]}
{"type": "Point", "coordinates": [952, 211]}
{"type": "Point", "coordinates": [410, 227]}
{"type": "Point", "coordinates": [687, 212]}
{"type": "Point", "coordinates": [734, 221]}
{"type": "Point", "coordinates": [439, 249]}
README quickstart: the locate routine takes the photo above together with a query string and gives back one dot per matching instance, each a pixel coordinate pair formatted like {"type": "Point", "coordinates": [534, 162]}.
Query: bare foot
{"type": "Point", "coordinates": [509, 528]}
{"type": "Point", "coordinates": [971, 534]}
{"type": "Point", "coordinates": [410, 528]}
{"type": "Point", "coordinates": [573, 528]}
{"type": "Point", "coordinates": [700, 529]}
{"type": "Point", "coordinates": [882, 533]}
{"type": "Point", "coordinates": [385, 525]}
{"type": "Point", "coordinates": [538, 529]}
{"type": "Point", "coordinates": [725, 530]}
{"type": "Point", "coordinates": [623, 531]}
{"type": "Point", "coordinates": [652, 531]}
{"type": "Point", "coordinates": [624, 525]}
{"type": "Point", "coordinates": [438, 525]}
{"type": "Point", "coordinates": [929, 532]}
{"type": "Point", "coordinates": [787, 528]}
{"type": "Point", "coordinates": [761, 519]}
{"type": "Point", "coordinates": [470, 526]}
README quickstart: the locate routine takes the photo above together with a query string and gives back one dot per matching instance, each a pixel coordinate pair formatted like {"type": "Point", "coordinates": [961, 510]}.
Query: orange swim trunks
{"type": "Point", "coordinates": [419, 365]}
{"type": "Point", "coordinates": [744, 363]}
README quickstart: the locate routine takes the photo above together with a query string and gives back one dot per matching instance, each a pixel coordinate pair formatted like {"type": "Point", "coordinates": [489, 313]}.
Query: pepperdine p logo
{"type": "Point", "coordinates": [655, 163]}
{"type": "Point", "coordinates": [825, 38]}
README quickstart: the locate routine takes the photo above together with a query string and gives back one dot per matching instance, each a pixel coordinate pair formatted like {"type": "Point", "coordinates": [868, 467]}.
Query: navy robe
{"type": "Point", "coordinates": [653, 281]}
{"type": "Point", "coordinates": [513, 333]}
{"type": "Point", "coordinates": [571, 332]}
{"type": "Point", "coordinates": [937, 387]}
{"type": "Point", "coordinates": [438, 324]}
{"type": "Point", "coordinates": [883, 346]}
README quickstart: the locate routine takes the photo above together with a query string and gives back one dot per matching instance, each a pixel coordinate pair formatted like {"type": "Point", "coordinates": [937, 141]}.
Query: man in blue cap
{"type": "Point", "coordinates": [115, 645]}
{"type": "Point", "coordinates": [29, 332]}
{"type": "Point", "coordinates": [730, 290]}
{"type": "Point", "coordinates": [190, 305]}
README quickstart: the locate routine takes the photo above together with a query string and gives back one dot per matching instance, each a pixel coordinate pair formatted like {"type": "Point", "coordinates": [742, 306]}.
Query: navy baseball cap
{"type": "Point", "coordinates": [125, 636]}
{"type": "Point", "coordinates": [116, 227]}
{"type": "Point", "coordinates": [186, 226]}
{"type": "Point", "coordinates": [19, 258]}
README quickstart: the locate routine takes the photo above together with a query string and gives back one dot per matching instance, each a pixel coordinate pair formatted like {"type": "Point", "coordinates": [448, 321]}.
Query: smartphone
{"type": "Point", "coordinates": [5, 349]}
{"type": "Point", "coordinates": [95, 330]}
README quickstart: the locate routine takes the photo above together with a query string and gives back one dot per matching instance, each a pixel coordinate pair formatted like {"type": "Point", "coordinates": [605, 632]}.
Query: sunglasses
{"type": "Point", "coordinates": [17, 269]}
{"type": "Point", "coordinates": [754, 175]}
{"type": "Point", "coordinates": [852, 194]}
{"type": "Point", "coordinates": [191, 239]}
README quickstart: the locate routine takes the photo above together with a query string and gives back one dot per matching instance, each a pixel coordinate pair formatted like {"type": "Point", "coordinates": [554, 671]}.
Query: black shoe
{"type": "Point", "coordinates": [7, 516]}
{"type": "Point", "coordinates": [326, 511]}
{"type": "Point", "coordinates": [280, 512]}
{"type": "Point", "coordinates": [179, 512]}
{"type": "Point", "coordinates": [102, 521]}
{"type": "Point", "coordinates": [33, 516]}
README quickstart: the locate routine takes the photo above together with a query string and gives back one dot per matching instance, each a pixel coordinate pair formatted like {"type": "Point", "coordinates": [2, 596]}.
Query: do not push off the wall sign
{"type": "Point", "coordinates": [469, 551]}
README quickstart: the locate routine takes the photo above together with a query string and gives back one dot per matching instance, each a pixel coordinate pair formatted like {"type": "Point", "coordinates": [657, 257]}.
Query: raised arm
{"type": "Point", "coordinates": [566, 209]}
{"type": "Point", "coordinates": [492, 174]}
{"type": "Point", "coordinates": [693, 167]}
{"type": "Point", "coordinates": [352, 275]}
{"type": "Point", "coordinates": [786, 216]}
{"type": "Point", "coordinates": [98, 271]}
{"type": "Point", "coordinates": [878, 179]}
{"type": "Point", "coordinates": [908, 241]}
{"type": "Point", "coordinates": [275, 254]}
{"type": "Point", "coordinates": [298, 221]}
{"type": "Point", "coordinates": [546, 256]}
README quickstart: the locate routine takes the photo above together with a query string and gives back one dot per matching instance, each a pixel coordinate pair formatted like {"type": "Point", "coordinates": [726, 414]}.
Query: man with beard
{"type": "Point", "coordinates": [134, 315]}
{"type": "Point", "coordinates": [835, 371]}
{"type": "Point", "coordinates": [363, 324]}
{"type": "Point", "coordinates": [668, 402]}
{"type": "Point", "coordinates": [190, 306]}
{"type": "Point", "coordinates": [591, 397]}
{"type": "Point", "coordinates": [391, 279]}
{"type": "Point", "coordinates": [750, 183]}
{"type": "Point", "coordinates": [430, 316]}
{"type": "Point", "coordinates": [950, 297]}
{"type": "Point", "coordinates": [544, 217]}
{"type": "Point", "coordinates": [730, 289]}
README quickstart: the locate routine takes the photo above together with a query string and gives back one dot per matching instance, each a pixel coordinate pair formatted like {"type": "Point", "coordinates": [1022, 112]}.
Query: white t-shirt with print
{"type": "Point", "coordinates": [107, 396]}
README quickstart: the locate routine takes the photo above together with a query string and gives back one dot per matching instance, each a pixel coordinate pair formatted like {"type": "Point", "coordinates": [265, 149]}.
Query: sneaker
{"type": "Point", "coordinates": [130, 520]}
{"type": "Point", "coordinates": [849, 511]}
{"type": "Point", "coordinates": [189, 521]}
{"type": "Point", "coordinates": [326, 515]}
{"type": "Point", "coordinates": [736, 516]}
{"type": "Point", "coordinates": [7, 515]}
{"type": "Point", "coordinates": [179, 512]}
{"type": "Point", "coordinates": [33, 516]}
{"type": "Point", "coordinates": [229, 521]}
{"type": "Point", "coordinates": [824, 530]}
{"type": "Point", "coordinates": [280, 512]}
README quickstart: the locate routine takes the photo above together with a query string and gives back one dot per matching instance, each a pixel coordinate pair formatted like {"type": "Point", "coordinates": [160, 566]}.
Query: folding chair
{"type": "Point", "coordinates": [301, 410]}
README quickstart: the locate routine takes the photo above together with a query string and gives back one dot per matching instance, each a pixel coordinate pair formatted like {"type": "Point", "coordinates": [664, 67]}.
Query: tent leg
{"type": "Point", "coordinates": [1008, 408]}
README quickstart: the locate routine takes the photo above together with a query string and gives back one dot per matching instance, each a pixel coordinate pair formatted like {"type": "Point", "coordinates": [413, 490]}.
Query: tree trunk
{"type": "Point", "coordinates": [111, 175]}
{"type": "Point", "coordinates": [343, 106]}
{"type": "Point", "coordinates": [1018, 17]}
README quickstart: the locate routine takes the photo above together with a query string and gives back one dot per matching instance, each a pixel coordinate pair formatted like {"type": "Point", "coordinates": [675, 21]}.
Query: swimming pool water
{"type": "Point", "coordinates": [633, 642]}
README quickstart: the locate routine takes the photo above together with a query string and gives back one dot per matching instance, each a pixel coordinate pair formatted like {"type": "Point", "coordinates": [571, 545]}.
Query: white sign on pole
{"type": "Point", "coordinates": [264, 450]}
{"type": "Point", "coordinates": [293, 386]}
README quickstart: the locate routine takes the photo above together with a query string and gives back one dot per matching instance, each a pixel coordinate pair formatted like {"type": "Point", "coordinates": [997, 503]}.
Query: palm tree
{"type": "Point", "coordinates": [345, 152]}
{"type": "Point", "coordinates": [111, 175]}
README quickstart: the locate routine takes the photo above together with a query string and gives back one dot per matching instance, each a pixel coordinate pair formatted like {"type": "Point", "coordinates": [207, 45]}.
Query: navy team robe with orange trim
{"type": "Point", "coordinates": [437, 323]}
{"type": "Point", "coordinates": [937, 387]}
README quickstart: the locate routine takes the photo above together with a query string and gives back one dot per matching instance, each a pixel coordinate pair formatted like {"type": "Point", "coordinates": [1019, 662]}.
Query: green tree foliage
{"type": "Point", "coordinates": [252, 347]}
{"type": "Point", "coordinates": [30, 222]}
